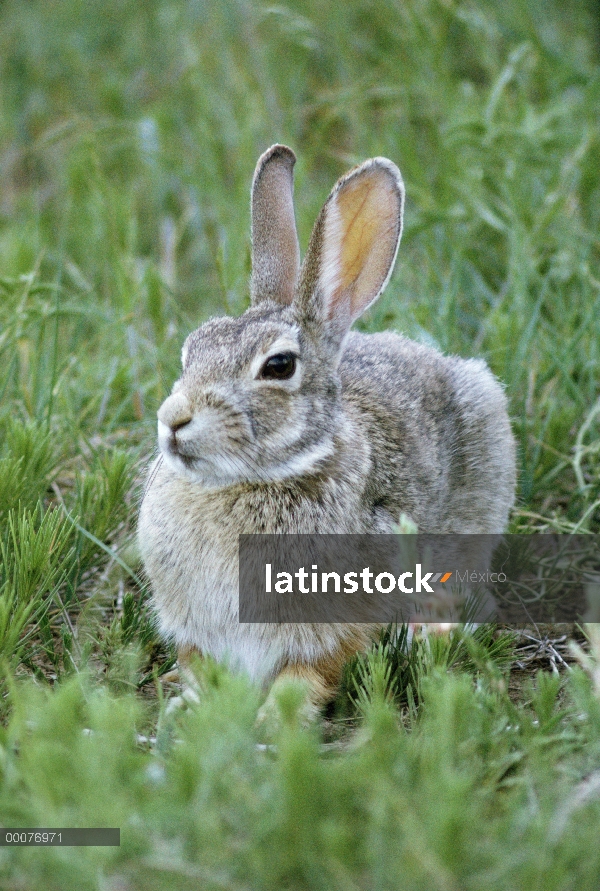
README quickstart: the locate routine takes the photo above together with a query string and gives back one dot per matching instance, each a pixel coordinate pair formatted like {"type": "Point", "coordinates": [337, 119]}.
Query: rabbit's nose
{"type": "Point", "coordinates": [177, 425]}
{"type": "Point", "coordinates": [175, 412]}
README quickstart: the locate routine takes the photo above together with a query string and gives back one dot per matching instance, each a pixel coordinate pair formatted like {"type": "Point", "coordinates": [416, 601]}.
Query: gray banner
{"type": "Point", "coordinates": [428, 578]}
{"type": "Point", "coordinates": [59, 837]}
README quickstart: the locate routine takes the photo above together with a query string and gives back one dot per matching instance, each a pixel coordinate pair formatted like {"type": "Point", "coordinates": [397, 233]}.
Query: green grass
{"type": "Point", "coordinates": [473, 792]}
{"type": "Point", "coordinates": [128, 137]}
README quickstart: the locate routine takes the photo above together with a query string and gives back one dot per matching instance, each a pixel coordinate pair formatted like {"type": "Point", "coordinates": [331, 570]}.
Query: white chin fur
{"type": "Point", "coordinates": [164, 434]}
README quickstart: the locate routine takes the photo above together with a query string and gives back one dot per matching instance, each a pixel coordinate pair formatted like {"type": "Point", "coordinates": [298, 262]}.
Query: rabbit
{"type": "Point", "coordinates": [284, 420]}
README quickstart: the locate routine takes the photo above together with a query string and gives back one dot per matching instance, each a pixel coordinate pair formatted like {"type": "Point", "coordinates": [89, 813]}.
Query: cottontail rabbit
{"type": "Point", "coordinates": [285, 421]}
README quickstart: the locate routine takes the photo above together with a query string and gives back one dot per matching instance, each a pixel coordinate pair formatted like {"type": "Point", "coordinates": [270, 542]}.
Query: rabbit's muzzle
{"type": "Point", "coordinates": [197, 439]}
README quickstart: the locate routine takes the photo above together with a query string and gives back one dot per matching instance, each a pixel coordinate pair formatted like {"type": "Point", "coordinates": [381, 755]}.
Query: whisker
{"type": "Point", "coordinates": [152, 476]}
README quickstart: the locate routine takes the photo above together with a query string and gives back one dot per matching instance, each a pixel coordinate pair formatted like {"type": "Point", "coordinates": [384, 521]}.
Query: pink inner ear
{"type": "Point", "coordinates": [360, 240]}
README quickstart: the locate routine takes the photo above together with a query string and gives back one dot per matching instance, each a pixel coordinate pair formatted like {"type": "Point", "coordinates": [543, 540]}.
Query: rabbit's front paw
{"type": "Point", "coordinates": [290, 701]}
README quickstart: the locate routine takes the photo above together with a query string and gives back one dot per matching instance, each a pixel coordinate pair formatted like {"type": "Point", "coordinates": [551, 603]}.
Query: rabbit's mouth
{"type": "Point", "coordinates": [198, 458]}
{"type": "Point", "coordinates": [193, 468]}
{"type": "Point", "coordinates": [181, 457]}
{"type": "Point", "coordinates": [202, 461]}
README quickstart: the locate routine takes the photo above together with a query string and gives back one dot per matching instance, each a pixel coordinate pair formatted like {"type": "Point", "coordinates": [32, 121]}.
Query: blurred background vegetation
{"type": "Point", "coordinates": [128, 136]}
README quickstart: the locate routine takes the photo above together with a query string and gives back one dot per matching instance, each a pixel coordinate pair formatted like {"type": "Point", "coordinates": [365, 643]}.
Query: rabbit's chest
{"type": "Point", "coordinates": [192, 564]}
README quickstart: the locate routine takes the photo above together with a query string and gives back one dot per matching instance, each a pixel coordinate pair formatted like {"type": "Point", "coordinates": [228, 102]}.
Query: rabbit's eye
{"type": "Point", "coordinates": [279, 367]}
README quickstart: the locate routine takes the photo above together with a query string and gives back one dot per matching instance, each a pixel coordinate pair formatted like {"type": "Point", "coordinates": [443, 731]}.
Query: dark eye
{"type": "Point", "coordinates": [279, 367]}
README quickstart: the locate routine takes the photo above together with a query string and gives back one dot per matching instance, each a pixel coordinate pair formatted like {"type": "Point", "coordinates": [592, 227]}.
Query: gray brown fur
{"type": "Point", "coordinates": [275, 248]}
{"type": "Point", "coordinates": [369, 427]}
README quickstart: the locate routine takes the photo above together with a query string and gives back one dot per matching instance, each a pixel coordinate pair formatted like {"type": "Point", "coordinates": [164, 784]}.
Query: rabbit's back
{"type": "Point", "coordinates": [442, 450]}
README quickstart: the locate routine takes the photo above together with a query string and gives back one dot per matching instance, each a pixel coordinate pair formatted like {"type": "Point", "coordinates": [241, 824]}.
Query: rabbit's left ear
{"type": "Point", "coordinates": [353, 246]}
{"type": "Point", "coordinates": [275, 249]}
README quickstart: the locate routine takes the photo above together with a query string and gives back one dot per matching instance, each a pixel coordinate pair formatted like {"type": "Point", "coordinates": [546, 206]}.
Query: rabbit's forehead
{"type": "Point", "coordinates": [235, 343]}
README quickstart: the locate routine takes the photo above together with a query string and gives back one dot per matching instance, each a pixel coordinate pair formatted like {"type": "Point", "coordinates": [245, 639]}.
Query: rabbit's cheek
{"type": "Point", "coordinates": [273, 411]}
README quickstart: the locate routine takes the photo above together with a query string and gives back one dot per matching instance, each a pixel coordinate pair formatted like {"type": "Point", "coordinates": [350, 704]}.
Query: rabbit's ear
{"type": "Point", "coordinates": [275, 250]}
{"type": "Point", "coordinates": [353, 246]}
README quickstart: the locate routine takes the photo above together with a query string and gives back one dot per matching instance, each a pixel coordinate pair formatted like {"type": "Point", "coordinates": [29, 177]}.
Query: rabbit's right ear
{"type": "Point", "coordinates": [353, 247]}
{"type": "Point", "coordinates": [275, 249]}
